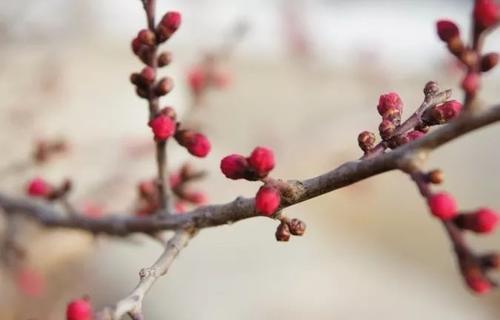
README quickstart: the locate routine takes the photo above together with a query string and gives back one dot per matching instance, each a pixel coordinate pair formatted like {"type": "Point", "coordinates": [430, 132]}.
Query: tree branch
{"type": "Point", "coordinates": [243, 208]}
{"type": "Point", "coordinates": [132, 304]}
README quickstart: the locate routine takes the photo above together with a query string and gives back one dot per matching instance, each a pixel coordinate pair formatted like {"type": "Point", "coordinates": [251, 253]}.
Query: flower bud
{"type": "Point", "coordinates": [147, 37]}
{"type": "Point", "coordinates": [470, 84]}
{"type": "Point", "coordinates": [366, 140]}
{"type": "Point", "coordinates": [262, 161]}
{"type": "Point", "coordinates": [196, 143]}
{"type": "Point", "coordinates": [282, 232]}
{"type": "Point", "coordinates": [489, 61]}
{"type": "Point", "coordinates": [483, 220]}
{"type": "Point", "coordinates": [486, 13]}
{"type": "Point", "coordinates": [163, 127]}
{"type": "Point", "coordinates": [234, 166]}
{"type": "Point", "coordinates": [38, 187]}
{"type": "Point", "coordinates": [164, 59]}
{"type": "Point", "coordinates": [442, 113]}
{"type": "Point", "coordinates": [297, 227]}
{"type": "Point", "coordinates": [442, 206]}
{"type": "Point", "coordinates": [164, 86]}
{"type": "Point", "coordinates": [79, 309]}
{"type": "Point", "coordinates": [386, 129]}
{"type": "Point", "coordinates": [388, 102]}
{"type": "Point", "coordinates": [447, 30]}
{"type": "Point", "coordinates": [267, 200]}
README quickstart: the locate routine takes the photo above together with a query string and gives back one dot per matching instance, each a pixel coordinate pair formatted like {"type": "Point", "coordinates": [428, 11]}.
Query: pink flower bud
{"type": "Point", "coordinates": [447, 30]}
{"type": "Point", "coordinates": [196, 197]}
{"type": "Point", "coordinates": [478, 284]}
{"type": "Point", "coordinates": [262, 161]}
{"type": "Point", "coordinates": [163, 127]}
{"type": "Point", "coordinates": [470, 84]}
{"type": "Point", "coordinates": [386, 129]}
{"type": "Point", "coordinates": [197, 80]}
{"type": "Point", "coordinates": [30, 282]}
{"type": "Point", "coordinates": [234, 166]}
{"type": "Point", "coordinates": [486, 13]}
{"type": "Point", "coordinates": [484, 220]}
{"type": "Point", "coordinates": [196, 143]}
{"type": "Point", "coordinates": [79, 309]}
{"type": "Point", "coordinates": [171, 20]}
{"type": "Point", "coordinates": [267, 200]}
{"type": "Point", "coordinates": [414, 135]}
{"type": "Point", "coordinates": [443, 206]}
{"type": "Point", "coordinates": [147, 37]}
{"type": "Point", "coordinates": [148, 75]}
{"type": "Point", "coordinates": [389, 101]}
{"type": "Point", "coordinates": [38, 187]}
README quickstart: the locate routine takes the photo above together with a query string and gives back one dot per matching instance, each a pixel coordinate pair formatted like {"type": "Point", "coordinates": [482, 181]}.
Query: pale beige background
{"type": "Point", "coordinates": [370, 251]}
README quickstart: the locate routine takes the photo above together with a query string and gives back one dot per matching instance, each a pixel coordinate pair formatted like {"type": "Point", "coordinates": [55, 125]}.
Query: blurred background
{"type": "Point", "coordinates": [304, 79]}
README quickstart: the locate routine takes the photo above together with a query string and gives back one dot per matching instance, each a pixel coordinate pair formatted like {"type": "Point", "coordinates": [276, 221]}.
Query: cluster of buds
{"type": "Point", "coordinates": [163, 121]}
{"type": "Point", "coordinates": [40, 188]}
{"type": "Point", "coordinates": [394, 133]}
{"type": "Point", "coordinates": [486, 15]}
{"type": "Point", "coordinates": [444, 207]}
{"type": "Point", "coordinates": [79, 309]}
{"type": "Point", "coordinates": [255, 167]}
{"type": "Point", "coordinates": [270, 195]}
{"type": "Point", "coordinates": [482, 221]}
{"type": "Point", "coordinates": [46, 149]}
{"type": "Point", "coordinates": [288, 227]}
{"type": "Point", "coordinates": [179, 182]}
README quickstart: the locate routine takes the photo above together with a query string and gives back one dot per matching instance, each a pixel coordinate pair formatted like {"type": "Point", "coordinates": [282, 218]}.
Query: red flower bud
{"type": "Point", "coordinates": [486, 13]}
{"type": "Point", "coordinates": [443, 206]}
{"type": "Point", "coordinates": [196, 143]}
{"type": "Point", "coordinates": [197, 80]}
{"type": "Point", "coordinates": [470, 84]}
{"type": "Point", "coordinates": [267, 200]}
{"type": "Point", "coordinates": [485, 220]}
{"type": "Point", "coordinates": [442, 113]}
{"type": "Point", "coordinates": [38, 187]}
{"type": "Point", "coordinates": [478, 284]}
{"type": "Point", "coordinates": [388, 102]}
{"type": "Point", "coordinates": [234, 166]}
{"type": "Point", "coordinates": [447, 30]}
{"type": "Point", "coordinates": [414, 135]}
{"type": "Point", "coordinates": [262, 161]}
{"type": "Point", "coordinates": [163, 127]}
{"type": "Point", "coordinates": [171, 20]}
{"type": "Point", "coordinates": [79, 309]}
{"type": "Point", "coordinates": [164, 59]}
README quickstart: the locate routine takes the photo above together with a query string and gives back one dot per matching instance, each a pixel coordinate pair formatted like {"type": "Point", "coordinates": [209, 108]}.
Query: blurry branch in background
{"type": "Point", "coordinates": [404, 145]}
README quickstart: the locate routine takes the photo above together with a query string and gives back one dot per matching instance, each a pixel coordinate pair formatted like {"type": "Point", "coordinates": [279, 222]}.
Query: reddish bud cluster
{"type": "Point", "coordinates": [79, 309]}
{"type": "Point", "coordinates": [483, 220]}
{"type": "Point", "coordinates": [287, 227]}
{"type": "Point", "coordinates": [255, 167]}
{"type": "Point", "coordinates": [196, 143]}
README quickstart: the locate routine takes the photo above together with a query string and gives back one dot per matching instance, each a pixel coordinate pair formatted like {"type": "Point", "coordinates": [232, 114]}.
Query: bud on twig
{"type": "Point", "coordinates": [282, 232]}
{"type": "Point", "coordinates": [297, 227]}
{"type": "Point", "coordinates": [366, 140]}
